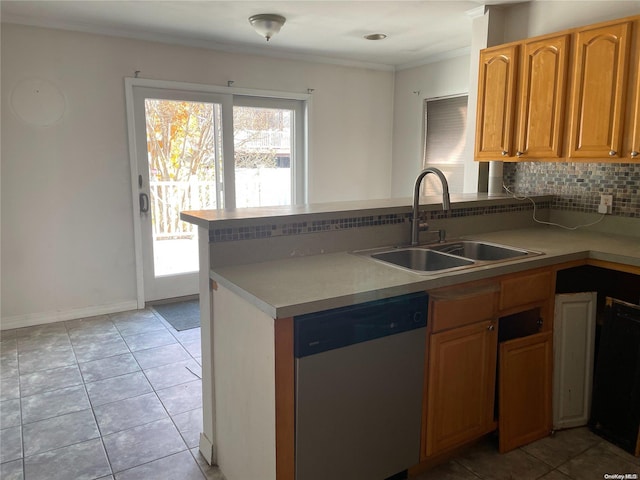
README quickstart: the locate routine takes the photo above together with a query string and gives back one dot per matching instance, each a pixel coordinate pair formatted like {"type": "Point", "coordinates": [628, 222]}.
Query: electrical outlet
{"type": "Point", "coordinates": [606, 204]}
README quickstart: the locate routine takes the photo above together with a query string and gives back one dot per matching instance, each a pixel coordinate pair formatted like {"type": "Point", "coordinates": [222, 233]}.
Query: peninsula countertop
{"type": "Point", "coordinates": [299, 285]}
{"type": "Point", "coordinates": [223, 218]}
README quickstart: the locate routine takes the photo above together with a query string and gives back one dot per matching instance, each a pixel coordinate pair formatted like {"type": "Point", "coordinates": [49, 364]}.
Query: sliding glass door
{"type": "Point", "coordinates": [198, 150]}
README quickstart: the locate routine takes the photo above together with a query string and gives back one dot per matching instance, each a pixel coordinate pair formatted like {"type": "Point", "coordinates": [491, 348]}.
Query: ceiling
{"type": "Point", "coordinates": [328, 31]}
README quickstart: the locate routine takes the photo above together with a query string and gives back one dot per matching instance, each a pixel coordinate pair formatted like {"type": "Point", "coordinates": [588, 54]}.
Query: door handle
{"type": "Point", "coordinates": [144, 203]}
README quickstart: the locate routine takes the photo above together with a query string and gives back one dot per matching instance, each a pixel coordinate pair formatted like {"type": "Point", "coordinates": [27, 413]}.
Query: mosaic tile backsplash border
{"type": "Point", "coordinates": [577, 186]}
{"type": "Point", "coordinates": [274, 229]}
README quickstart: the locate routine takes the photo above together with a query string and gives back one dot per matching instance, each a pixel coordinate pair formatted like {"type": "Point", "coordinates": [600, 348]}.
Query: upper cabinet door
{"type": "Point", "coordinates": [496, 102]}
{"type": "Point", "coordinates": [599, 89]}
{"type": "Point", "coordinates": [634, 132]}
{"type": "Point", "coordinates": [543, 82]}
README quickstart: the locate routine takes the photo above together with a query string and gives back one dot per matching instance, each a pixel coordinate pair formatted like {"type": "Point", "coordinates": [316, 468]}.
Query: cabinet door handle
{"type": "Point", "coordinates": [634, 154]}
{"type": "Point", "coordinates": [491, 328]}
{"type": "Point", "coordinates": [612, 153]}
{"type": "Point", "coordinates": [519, 153]}
{"type": "Point", "coordinates": [505, 153]}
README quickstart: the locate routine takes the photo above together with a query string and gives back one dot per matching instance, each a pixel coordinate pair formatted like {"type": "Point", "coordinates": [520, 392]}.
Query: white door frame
{"type": "Point", "coordinates": [130, 84]}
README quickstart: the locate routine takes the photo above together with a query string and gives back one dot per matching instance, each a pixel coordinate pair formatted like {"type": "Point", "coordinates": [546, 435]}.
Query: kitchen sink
{"type": "Point", "coordinates": [423, 260]}
{"type": "Point", "coordinates": [444, 257]}
{"type": "Point", "coordinates": [480, 250]}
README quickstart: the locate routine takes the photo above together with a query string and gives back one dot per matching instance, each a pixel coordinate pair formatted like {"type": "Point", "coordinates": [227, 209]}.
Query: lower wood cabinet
{"type": "Point", "coordinates": [489, 366]}
{"type": "Point", "coordinates": [462, 368]}
{"type": "Point", "coordinates": [524, 393]}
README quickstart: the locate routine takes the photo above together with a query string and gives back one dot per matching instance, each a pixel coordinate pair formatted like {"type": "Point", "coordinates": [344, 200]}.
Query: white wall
{"type": "Point", "coordinates": [439, 79]}
{"type": "Point", "coordinates": [67, 218]}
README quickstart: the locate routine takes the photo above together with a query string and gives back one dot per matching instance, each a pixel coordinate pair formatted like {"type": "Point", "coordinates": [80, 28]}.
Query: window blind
{"type": "Point", "coordinates": [445, 123]}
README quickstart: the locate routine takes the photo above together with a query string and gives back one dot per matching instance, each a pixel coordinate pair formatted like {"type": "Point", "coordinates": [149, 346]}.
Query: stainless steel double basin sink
{"type": "Point", "coordinates": [444, 257]}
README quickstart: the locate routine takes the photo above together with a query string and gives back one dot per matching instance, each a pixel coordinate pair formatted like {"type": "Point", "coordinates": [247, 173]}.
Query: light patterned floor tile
{"type": "Point", "coordinates": [177, 466]}
{"type": "Point", "coordinates": [10, 444]}
{"type": "Point", "coordinates": [118, 388]}
{"type": "Point", "coordinates": [174, 374]}
{"type": "Point", "coordinates": [81, 461]}
{"type": "Point", "coordinates": [128, 413]}
{"type": "Point", "coordinates": [182, 398]}
{"type": "Point", "coordinates": [108, 367]}
{"type": "Point", "coordinates": [156, 357]}
{"type": "Point", "coordinates": [51, 404]}
{"type": "Point", "coordinates": [140, 445]}
{"type": "Point", "coordinates": [48, 380]}
{"type": "Point", "coordinates": [57, 432]}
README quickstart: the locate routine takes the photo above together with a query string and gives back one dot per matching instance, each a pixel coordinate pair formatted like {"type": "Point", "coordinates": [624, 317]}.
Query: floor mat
{"type": "Point", "coordinates": [181, 315]}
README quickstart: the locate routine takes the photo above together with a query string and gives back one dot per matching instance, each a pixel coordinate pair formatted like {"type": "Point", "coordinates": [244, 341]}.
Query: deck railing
{"type": "Point", "coordinates": [264, 140]}
{"type": "Point", "coordinates": [254, 186]}
{"type": "Point", "coordinates": [168, 198]}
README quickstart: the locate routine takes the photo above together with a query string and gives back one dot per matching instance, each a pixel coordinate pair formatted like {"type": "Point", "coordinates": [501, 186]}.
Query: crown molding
{"type": "Point", "coordinates": [460, 52]}
{"type": "Point", "coordinates": [195, 43]}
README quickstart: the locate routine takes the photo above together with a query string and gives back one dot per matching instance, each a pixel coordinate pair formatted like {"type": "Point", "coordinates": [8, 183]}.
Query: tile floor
{"type": "Point", "coordinates": [570, 454]}
{"type": "Point", "coordinates": [115, 396]}
{"type": "Point", "coordinates": [119, 396]}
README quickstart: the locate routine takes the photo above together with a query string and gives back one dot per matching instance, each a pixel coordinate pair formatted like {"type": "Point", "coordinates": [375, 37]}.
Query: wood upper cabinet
{"type": "Point", "coordinates": [633, 151]}
{"type": "Point", "coordinates": [496, 102]}
{"type": "Point", "coordinates": [531, 76]}
{"type": "Point", "coordinates": [461, 386]}
{"type": "Point", "coordinates": [599, 86]}
{"type": "Point", "coordinates": [543, 84]}
{"type": "Point", "coordinates": [562, 96]}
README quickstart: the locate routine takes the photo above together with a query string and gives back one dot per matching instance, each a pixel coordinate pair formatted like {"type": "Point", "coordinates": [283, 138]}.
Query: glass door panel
{"type": "Point", "coordinates": [179, 147]}
{"type": "Point", "coordinates": [263, 147]}
{"type": "Point", "coordinates": [184, 147]}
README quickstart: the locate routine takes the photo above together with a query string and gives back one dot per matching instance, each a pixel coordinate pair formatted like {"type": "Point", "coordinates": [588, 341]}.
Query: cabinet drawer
{"type": "Point", "coordinates": [525, 289]}
{"type": "Point", "coordinates": [456, 309]}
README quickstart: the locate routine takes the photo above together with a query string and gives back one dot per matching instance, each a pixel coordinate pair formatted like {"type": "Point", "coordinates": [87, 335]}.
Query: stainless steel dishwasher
{"type": "Point", "coordinates": [359, 384]}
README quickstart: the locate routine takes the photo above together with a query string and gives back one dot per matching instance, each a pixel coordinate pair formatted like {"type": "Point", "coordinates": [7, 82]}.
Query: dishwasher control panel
{"type": "Point", "coordinates": [339, 327]}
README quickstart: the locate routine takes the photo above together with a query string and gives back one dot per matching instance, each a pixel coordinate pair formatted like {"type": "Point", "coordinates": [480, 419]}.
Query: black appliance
{"type": "Point", "coordinates": [615, 411]}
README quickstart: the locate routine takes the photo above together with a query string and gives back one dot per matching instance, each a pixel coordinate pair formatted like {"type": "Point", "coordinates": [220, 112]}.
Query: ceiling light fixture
{"type": "Point", "coordinates": [267, 24]}
{"type": "Point", "coordinates": [375, 36]}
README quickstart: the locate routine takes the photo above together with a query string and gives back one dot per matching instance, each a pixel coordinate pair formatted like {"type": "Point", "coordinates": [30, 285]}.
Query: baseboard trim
{"type": "Point", "coordinates": [165, 301]}
{"type": "Point", "coordinates": [28, 320]}
{"type": "Point", "coordinates": [206, 449]}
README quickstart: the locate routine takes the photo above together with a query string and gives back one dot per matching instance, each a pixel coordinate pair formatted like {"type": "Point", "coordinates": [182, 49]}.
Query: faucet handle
{"type": "Point", "coordinates": [442, 235]}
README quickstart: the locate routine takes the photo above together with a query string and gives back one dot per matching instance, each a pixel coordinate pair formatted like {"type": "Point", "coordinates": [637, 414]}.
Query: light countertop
{"type": "Point", "coordinates": [224, 218]}
{"type": "Point", "coordinates": [295, 286]}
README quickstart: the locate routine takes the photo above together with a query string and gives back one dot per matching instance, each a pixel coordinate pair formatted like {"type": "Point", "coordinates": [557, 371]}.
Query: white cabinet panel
{"type": "Point", "coordinates": [573, 345]}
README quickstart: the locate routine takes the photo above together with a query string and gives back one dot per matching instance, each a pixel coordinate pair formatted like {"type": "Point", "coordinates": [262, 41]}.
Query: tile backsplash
{"type": "Point", "coordinates": [577, 186]}
{"type": "Point", "coordinates": [281, 228]}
